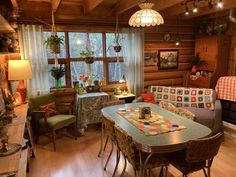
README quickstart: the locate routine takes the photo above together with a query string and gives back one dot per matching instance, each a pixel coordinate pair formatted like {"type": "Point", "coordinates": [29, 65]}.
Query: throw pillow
{"type": "Point", "coordinates": [187, 114]}
{"type": "Point", "coordinates": [168, 106]}
{"type": "Point", "coordinates": [50, 109]}
{"type": "Point", "coordinates": [148, 97]}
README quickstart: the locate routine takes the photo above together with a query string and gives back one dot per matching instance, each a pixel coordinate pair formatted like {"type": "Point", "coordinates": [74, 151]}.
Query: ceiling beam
{"type": "Point", "coordinates": [90, 5]}
{"type": "Point", "coordinates": [163, 4]}
{"type": "Point", "coordinates": [125, 5]}
{"type": "Point", "coordinates": [14, 3]}
{"type": "Point", "coordinates": [55, 4]}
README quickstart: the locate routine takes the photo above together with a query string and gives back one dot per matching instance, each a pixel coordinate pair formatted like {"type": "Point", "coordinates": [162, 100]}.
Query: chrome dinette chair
{"type": "Point", "coordinates": [198, 155]}
{"type": "Point", "coordinates": [108, 130]}
{"type": "Point", "coordinates": [129, 150]}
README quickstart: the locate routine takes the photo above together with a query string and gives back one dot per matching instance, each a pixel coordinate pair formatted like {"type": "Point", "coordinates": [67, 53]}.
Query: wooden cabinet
{"type": "Point", "coordinates": [215, 51]}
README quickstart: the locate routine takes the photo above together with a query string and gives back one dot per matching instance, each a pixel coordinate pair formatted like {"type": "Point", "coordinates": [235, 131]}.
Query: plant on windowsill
{"type": "Point", "coordinates": [53, 43]}
{"type": "Point", "coordinates": [57, 73]}
{"type": "Point", "coordinates": [87, 55]}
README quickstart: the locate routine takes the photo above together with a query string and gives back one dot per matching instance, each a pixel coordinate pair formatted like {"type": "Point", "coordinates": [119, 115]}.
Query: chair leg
{"type": "Point", "coordinates": [54, 139]}
{"type": "Point", "coordinates": [106, 143]}
{"type": "Point", "coordinates": [75, 130]}
{"type": "Point", "coordinates": [112, 147]}
{"type": "Point", "coordinates": [117, 161]}
{"type": "Point", "coordinates": [123, 171]}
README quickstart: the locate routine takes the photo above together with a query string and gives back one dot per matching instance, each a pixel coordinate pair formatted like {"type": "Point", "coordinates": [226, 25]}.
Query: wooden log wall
{"type": "Point", "coordinates": [154, 41]}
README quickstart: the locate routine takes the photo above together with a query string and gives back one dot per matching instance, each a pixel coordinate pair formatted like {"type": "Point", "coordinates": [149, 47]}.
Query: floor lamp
{"type": "Point", "coordinates": [20, 70]}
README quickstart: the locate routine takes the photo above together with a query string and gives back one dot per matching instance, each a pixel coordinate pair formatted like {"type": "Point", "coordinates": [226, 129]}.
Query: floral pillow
{"type": "Point", "coordinates": [168, 106]}
{"type": "Point", "coordinates": [187, 114]}
{"type": "Point", "coordinates": [50, 109]}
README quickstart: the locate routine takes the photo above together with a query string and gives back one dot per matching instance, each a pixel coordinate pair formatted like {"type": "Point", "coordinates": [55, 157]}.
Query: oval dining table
{"type": "Point", "coordinates": [161, 143]}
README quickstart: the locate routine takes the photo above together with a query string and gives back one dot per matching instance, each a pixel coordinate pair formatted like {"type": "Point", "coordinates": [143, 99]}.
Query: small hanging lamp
{"type": "Point", "coordinates": [146, 16]}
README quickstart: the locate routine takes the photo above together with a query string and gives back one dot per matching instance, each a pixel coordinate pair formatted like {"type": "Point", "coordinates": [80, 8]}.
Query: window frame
{"type": "Point", "coordinates": [67, 61]}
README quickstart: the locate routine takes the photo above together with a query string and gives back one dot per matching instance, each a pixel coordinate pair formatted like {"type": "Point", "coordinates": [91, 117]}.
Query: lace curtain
{"type": "Point", "coordinates": [133, 59]}
{"type": "Point", "coordinates": [32, 48]}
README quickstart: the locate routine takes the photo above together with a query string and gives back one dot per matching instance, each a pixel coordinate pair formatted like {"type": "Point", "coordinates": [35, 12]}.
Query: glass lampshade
{"type": "Point", "coordinates": [146, 16]}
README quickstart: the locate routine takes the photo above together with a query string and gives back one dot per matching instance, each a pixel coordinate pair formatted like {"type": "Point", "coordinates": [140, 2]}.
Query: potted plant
{"type": "Point", "coordinates": [117, 39]}
{"type": "Point", "coordinates": [88, 55]}
{"type": "Point", "coordinates": [58, 73]}
{"type": "Point", "coordinates": [53, 43]}
{"type": "Point", "coordinates": [196, 61]}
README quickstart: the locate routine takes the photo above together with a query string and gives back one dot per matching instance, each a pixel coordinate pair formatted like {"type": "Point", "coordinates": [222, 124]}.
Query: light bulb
{"type": "Point", "coordinates": [177, 43]}
{"type": "Point", "coordinates": [220, 4]}
{"type": "Point", "coordinates": [186, 13]}
{"type": "Point", "coordinates": [195, 10]}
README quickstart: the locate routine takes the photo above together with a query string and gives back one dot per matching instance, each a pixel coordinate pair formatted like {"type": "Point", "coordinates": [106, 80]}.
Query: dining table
{"type": "Point", "coordinates": [160, 143]}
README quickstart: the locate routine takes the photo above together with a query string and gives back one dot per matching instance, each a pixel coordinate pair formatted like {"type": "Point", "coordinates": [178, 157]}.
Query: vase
{"type": "Point", "coordinates": [58, 83]}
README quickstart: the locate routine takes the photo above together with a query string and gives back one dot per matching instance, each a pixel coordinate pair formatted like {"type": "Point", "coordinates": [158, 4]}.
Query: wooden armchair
{"type": "Point", "coordinates": [198, 155]}
{"type": "Point", "coordinates": [45, 123]}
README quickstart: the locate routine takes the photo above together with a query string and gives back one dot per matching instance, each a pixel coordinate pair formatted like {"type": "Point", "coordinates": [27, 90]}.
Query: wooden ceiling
{"type": "Point", "coordinates": [101, 12]}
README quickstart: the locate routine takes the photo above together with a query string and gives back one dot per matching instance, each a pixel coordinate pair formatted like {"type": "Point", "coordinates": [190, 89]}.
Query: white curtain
{"type": "Point", "coordinates": [32, 48]}
{"type": "Point", "coordinates": [133, 59]}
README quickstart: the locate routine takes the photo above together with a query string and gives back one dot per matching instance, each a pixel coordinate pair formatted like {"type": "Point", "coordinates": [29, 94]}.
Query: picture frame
{"type": "Point", "coordinates": [168, 59]}
{"type": "Point", "coordinates": [150, 58]}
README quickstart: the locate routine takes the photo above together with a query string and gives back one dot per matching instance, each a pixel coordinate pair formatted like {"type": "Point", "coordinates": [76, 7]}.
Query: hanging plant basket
{"type": "Point", "coordinates": [117, 48]}
{"type": "Point", "coordinates": [53, 43]}
{"type": "Point", "coordinates": [89, 60]}
{"type": "Point", "coordinates": [55, 49]}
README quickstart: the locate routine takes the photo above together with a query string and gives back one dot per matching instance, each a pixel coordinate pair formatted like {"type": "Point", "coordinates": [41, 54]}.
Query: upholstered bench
{"type": "Point", "coordinates": [200, 101]}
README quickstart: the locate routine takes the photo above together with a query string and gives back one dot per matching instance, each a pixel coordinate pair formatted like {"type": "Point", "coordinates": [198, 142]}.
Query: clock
{"type": "Point", "coordinates": [167, 37]}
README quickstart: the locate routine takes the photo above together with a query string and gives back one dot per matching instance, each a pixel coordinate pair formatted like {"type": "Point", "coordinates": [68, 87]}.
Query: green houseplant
{"type": "Point", "coordinates": [196, 61]}
{"type": "Point", "coordinates": [57, 73]}
{"type": "Point", "coordinates": [88, 55]}
{"type": "Point", "coordinates": [117, 40]}
{"type": "Point", "coordinates": [53, 43]}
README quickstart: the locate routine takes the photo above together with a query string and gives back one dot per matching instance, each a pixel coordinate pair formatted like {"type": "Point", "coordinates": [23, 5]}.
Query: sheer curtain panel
{"type": "Point", "coordinates": [133, 59]}
{"type": "Point", "coordinates": [32, 47]}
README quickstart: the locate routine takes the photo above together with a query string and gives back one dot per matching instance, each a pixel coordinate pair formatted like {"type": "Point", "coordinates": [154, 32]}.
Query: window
{"type": "Point", "coordinates": [63, 47]}
{"type": "Point", "coordinates": [105, 66]}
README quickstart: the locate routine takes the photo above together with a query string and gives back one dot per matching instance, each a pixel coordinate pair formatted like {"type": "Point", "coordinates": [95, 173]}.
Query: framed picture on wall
{"type": "Point", "coordinates": [150, 58]}
{"type": "Point", "coordinates": [168, 59]}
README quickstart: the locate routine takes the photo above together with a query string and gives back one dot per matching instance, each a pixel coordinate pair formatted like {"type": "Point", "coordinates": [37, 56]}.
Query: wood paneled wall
{"type": "Point", "coordinates": [154, 41]}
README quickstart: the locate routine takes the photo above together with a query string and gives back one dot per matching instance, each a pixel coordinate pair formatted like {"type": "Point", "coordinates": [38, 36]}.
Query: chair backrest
{"type": "Point", "coordinates": [65, 100]}
{"type": "Point", "coordinates": [37, 101]}
{"type": "Point", "coordinates": [203, 149]}
{"type": "Point", "coordinates": [112, 103]}
{"type": "Point", "coordinates": [126, 145]}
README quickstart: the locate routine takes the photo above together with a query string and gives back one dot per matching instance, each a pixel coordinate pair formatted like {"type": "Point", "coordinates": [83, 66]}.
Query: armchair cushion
{"type": "Point", "coordinates": [58, 121]}
{"type": "Point", "coordinates": [50, 109]}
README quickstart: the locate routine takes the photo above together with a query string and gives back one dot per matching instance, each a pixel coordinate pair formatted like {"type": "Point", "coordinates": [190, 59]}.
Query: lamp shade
{"type": "Point", "coordinates": [19, 70]}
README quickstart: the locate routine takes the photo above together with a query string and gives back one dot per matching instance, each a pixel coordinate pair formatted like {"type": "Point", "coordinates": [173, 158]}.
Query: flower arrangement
{"type": "Point", "coordinates": [58, 72]}
{"type": "Point", "coordinates": [53, 43]}
{"type": "Point", "coordinates": [84, 79]}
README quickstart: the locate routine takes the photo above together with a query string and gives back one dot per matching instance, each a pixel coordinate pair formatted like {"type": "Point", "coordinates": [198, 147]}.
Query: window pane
{"type": "Point", "coordinates": [110, 43]}
{"type": "Point", "coordinates": [78, 42]}
{"type": "Point", "coordinates": [116, 71]}
{"type": "Point", "coordinates": [78, 68]}
{"type": "Point", "coordinates": [52, 80]}
{"type": "Point", "coordinates": [63, 46]}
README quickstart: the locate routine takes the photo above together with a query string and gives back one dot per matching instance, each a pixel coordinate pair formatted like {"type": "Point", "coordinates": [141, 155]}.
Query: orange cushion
{"type": "Point", "coordinates": [50, 109]}
{"type": "Point", "coordinates": [148, 97]}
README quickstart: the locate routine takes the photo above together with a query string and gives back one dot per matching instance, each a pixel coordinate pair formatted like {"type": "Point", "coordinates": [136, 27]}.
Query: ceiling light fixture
{"type": "Point", "coordinates": [186, 10]}
{"type": "Point", "coordinates": [220, 4]}
{"type": "Point", "coordinates": [195, 8]}
{"type": "Point", "coordinates": [146, 16]}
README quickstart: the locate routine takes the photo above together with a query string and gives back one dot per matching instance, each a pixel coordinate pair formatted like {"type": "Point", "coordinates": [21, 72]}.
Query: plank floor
{"type": "Point", "coordinates": [78, 158]}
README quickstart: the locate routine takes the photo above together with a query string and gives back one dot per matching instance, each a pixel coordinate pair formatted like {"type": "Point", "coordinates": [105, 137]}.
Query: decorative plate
{"type": "Point", "coordinates": [167, 37]}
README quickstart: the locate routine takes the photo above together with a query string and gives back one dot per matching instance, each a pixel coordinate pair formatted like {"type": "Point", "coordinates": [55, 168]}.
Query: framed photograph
{"type": "Point", "coordinates": [150, 58]}
{"type": "Point", "coordinates": [168, 59]}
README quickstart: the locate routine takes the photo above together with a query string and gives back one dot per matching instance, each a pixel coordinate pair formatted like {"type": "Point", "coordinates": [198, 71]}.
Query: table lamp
{"type": "Point", "coordinates": [20, 70]}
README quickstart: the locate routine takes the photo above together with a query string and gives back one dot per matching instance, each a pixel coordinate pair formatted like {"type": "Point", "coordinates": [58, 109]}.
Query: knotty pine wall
{"type": "Point", "coordinates": [154, 41]}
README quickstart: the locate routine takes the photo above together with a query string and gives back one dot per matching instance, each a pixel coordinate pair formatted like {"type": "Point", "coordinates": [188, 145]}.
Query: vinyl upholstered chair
{"type": "Point", "coordinates": [128, 149]}
{"type": "Point", "coordinates": [44, 123]}
{"type": "Point", "coordinates": [108, 131]}
{"type": "Point", "coordinates": [198, 155]}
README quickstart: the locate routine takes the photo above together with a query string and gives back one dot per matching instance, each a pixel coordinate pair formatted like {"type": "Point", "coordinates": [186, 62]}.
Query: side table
{"type": "Point", "coordinates": [89, 107]}
{"type": "Point", "coordinates": [128, 98]}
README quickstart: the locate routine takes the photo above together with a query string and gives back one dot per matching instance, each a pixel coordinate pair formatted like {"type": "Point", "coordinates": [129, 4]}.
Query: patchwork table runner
{"type": "Point", "coordinates": [157, 124]}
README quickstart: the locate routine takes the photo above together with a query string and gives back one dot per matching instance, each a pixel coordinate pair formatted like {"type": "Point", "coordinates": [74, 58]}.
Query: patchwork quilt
{"type": "Point", "coordinates": [184, 97]}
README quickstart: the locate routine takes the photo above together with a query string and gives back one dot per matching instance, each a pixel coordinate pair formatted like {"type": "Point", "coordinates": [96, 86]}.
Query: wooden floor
{"type": "Point", "coordinates": [78, 158]}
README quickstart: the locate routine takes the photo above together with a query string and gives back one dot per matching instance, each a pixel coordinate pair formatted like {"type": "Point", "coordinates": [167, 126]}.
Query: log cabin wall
{"type": "Point", "coordinates": [154, 41]}
{"type": "Point", "coordinates": [232, 60]}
